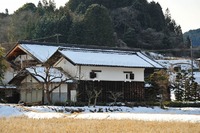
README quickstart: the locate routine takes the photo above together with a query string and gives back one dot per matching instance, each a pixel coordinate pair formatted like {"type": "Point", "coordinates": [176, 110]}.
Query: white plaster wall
{"type": "Point", "coordinates": [112, 73]}
{"type": "Point", "coordinates": [106, 74]}
{"type": "Point", "coordinates": [8, 75]}
{"type": "Point", "coordinates": [67, 67]}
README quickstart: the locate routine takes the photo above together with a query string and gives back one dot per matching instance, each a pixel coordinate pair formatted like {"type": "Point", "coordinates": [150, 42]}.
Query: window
{"type": "Point", "coordinates": [93, 73]}
{"type": "Point", "coordinates": [129, 75]}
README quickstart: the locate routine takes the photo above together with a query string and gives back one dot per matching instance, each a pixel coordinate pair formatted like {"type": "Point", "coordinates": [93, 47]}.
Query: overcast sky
{"type": "Point", "coordinates": [13, 5]}
{"type": "Point", "coordinates": [184, 12]}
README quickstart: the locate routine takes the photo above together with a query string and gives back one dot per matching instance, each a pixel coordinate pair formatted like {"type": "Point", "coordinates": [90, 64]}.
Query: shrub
{"type": "Point", "coordinates": [182, 104]}
{"type": "Point", "coordinates": [58, 103]}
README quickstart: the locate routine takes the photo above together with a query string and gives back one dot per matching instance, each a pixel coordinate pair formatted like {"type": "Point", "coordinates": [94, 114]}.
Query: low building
{"type": "Point", "coordinates": [104, 70]}
{"type": "Point", "coordinates": [32, 84]}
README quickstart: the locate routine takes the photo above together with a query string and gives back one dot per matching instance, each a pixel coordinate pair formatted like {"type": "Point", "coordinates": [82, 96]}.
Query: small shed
{"type": "Point", "coordinates": [31, 83]}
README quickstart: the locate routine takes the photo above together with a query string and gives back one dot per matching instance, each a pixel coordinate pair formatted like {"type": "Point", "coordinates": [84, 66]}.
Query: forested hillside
{"type": "Point", "coordinates": [115, 23]}
{"type": "Point", "coordinates": [194, 36]}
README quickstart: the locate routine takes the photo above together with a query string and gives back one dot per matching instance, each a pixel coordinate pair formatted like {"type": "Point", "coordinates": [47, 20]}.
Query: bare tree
{"type": "Point", "coordinates": [92, 93]}
{"type": "Point", "coordinates": [115, 95]}
{"type": "Point", "coordinates": [49, 75]}
{"type": "Point", "coordinates": [96, 95]}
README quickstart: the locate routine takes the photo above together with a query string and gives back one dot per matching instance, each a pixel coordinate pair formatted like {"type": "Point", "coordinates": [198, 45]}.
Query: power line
{"type": "Point", "coordinates": [169, 50]}
{"type": "Point", "coordinates": [148, 50]}
{"type": "Point", "coordinates": [47, 37]}
{"type": "Point", "coordinates": [37, 39]}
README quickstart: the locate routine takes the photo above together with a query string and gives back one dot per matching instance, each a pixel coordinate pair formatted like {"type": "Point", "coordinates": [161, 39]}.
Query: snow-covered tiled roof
{"type": "Point", "coordinates": [95, 57]}
{"type": "Point", "coordinates": [41, 52]}
{"type": "Point", "coordinates": [108, 58]}
{"type": "Point", "coordinates": [55, 74]}
{"type": "Point", "coordinates": [149, 60]}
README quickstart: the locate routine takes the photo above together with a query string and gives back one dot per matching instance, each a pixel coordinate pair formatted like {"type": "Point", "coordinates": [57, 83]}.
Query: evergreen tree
{"type": "Point", "coordinates": [132, 23]}
{"type": "Point", "coordinates": [178, 87]}
{"type": "Point", "coordinates": [98, 26]}
{"type": "Point", "coordinates": [45, 27]}
{"type": "Point", "coordinates": [185, 87]}
{"type": "Point", "coordinates": [188, 42]}
{"type": "Point", "coordinates": [73, 4]}
{"type": "Point", "coordinates": [26, 7]}
{"type": "Point", "coordinates": [40, 9]}
{"type": "Point", "coordinates": [130, 38]}
{"type": "Point", "coordinates": [157, 17]}
{"type": "Point", "coordinates": [160, 82]}
{"type": "Point", "coordinates": [3, 65]}
{"type": "Point", "coordinates": [194, 91]}
{"type": "Point", "coordinates": [64, 23]}
{"type": "Point", "coordinates": [21, 26]}
{"type": "Point", "coordinates": [76, 33]}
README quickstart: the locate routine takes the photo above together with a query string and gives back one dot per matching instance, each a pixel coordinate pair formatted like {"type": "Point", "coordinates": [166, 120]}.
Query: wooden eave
{"type": "Point", "coordinates": [54, 58]}
{"type": "Point", "coordinates": [11, 55]}
{"type": "Point", "coordinates": [20, 77]}
{"type": "Point", "coordinates": [58, 55]}
{"type": "Point", "coordinates": [16, 51]}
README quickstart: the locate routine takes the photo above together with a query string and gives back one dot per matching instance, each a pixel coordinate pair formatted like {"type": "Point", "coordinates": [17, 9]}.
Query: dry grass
{"type": "Point", "coordinates": [65, 125]}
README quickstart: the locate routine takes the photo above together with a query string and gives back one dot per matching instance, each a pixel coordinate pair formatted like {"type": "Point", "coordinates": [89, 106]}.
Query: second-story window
{"type": "Point", "coordinates": [93, 73]}
{"type": "Point", "coordinates": [129, 75]}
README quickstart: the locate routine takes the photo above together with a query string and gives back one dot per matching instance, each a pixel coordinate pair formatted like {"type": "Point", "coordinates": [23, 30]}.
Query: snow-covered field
{"type": "Point", "coordinates": [102, 112]}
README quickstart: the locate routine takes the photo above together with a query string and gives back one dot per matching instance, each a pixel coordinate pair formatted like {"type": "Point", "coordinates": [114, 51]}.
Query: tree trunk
{"type": "Point", "coordinates": [95, 101]}
{"type": "Point", "coordinates": [115, 101]}
{"type": "Point", "coordinates": [48, 97]}
{"type": "Point", "coordinates": [89, 102]}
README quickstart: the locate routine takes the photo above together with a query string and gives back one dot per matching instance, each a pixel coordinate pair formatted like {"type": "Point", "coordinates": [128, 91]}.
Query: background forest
{"type": "Point", "coordinates": [113, 23]}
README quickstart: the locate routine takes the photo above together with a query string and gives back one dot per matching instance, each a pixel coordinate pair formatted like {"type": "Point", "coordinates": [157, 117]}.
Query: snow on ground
{"type": "Point", "coordinates": [102, 112]}
{"type": "Point", "coordinates": [139, 116]}
{"type": "Point", "coordinates": [42, 115]}
{"type": "Point", "coordinates": [9, 111]}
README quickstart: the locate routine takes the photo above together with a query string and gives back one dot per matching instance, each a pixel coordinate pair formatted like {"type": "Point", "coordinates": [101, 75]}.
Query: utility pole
{"type": "Point", "coordinates": [191, 52]}
{"type": "Point", "coordinates": [57, 37]}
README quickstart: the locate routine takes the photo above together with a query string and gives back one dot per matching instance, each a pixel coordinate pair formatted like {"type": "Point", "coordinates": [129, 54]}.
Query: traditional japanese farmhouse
{"type": "Point", "coordinates": [102, 70]}
{"type": "Point", "coordinates": [106, 70]}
